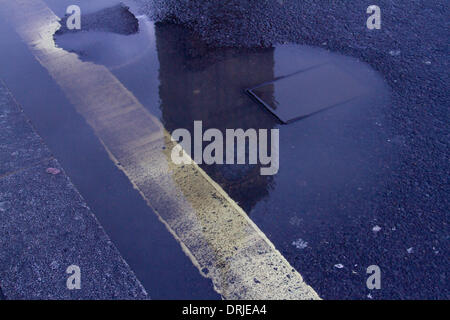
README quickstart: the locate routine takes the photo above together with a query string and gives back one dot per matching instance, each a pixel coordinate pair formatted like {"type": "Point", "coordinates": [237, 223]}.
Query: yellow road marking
{"type": "Point", "coordinates": [217, 235]}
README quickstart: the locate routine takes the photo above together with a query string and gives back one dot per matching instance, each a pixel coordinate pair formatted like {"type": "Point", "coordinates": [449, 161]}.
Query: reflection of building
{"type": "Point", "coordinates": [201, 83]}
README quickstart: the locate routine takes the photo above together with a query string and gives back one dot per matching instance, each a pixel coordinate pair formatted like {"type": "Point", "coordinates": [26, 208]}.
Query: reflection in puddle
{"type": "Point", "coordinates": [195, 82]}
{"type": "Point", "coordinates": [200, 83]}
{"type": "Point", "coordinates": [326, 159]}
{"type": "Point", "coordinates": [105, 35]}
{"type": "Point", "coordinates": [308, 91]}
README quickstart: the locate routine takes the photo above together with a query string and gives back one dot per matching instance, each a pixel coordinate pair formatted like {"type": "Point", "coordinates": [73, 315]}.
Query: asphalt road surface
{"type": "Point", "coordinates": [357, 186]}
{"type": "Point", "coordinates": [411, 202]}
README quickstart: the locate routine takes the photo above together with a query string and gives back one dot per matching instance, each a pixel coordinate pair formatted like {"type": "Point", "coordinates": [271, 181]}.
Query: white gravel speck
{"type": "Point", "coordinates": [376, 229]}
{"type": "Point", "coordinates": [300, 244]}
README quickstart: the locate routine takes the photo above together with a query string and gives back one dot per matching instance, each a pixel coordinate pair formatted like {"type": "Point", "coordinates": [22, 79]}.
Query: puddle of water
{"type": "Point", "coordinates": [307, 92]}
{"type": "Point", "coordinates": [181, 80]}
{"type": "Point", "coordinates": [93, 45]}
{"type": "Point", "coordinates": [325, 159]}
{"type": "Point", "coordinates": [105, 36]}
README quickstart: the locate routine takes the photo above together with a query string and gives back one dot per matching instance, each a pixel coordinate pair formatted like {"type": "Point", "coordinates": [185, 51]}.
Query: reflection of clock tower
{"type": "Point", "coordinates": [207, 84]}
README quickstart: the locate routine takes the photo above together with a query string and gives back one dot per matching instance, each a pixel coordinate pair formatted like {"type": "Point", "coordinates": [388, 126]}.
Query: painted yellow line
{"type": "Point", "coordinates": [217, 235]}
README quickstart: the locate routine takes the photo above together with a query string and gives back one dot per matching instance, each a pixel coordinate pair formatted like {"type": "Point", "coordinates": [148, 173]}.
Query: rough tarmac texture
{"type": "Point", "coordinates": [45, 226]}
{"type": "Point", "coordinates": [411, 52]}
{"type": "Point", "coordinates": [20, 146]}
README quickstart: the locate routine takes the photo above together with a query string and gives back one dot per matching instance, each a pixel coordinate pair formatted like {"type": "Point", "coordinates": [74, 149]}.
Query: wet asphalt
{"type": "Point", "coordinates": [410, 198]}
{"type": "Point", "coordinates": [407, 189]}
{"type": "Point", "coordinates": [143, 241]}
{"type": "Point", "coordinates": [46, 226]}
